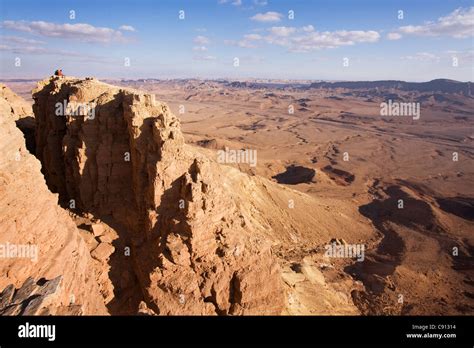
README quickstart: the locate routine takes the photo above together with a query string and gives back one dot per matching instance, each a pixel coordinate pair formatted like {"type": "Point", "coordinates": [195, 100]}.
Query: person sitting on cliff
{"type": "Point", "coordinates": [58, 72]}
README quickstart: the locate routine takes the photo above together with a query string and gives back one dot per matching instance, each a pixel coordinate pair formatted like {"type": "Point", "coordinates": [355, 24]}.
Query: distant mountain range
{"type": "Point", "coordinates": [433, 86]}
{"type": "Point", "coordinates": [438, 85]}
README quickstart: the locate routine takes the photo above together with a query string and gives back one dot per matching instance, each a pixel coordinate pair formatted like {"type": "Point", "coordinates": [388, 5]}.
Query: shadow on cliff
{"type": "Point", "coordinates": [111, 199]}
{"type": "Point", "coordinates": [100, 185]}
{"type": "Point", "coordinates": [27, 126]}
{"type": "Point", "coordinates": [127, 291]}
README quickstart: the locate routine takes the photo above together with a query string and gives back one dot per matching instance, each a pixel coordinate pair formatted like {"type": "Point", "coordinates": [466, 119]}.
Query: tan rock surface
{"type": "Point", "coordinates": [13, 105]}
{"type": "Point", "coordinates": [32, 219]}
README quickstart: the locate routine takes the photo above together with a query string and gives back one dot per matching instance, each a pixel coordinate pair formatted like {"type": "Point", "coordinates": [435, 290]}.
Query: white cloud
{"type": "Point", "coordinates": [260, 2]}
{"type": "Point", "coordinates": [127, 28]}
{"type": "Point", "coordinates": [205, 58]}
{"type": "Point", "coordinates": [241, 43]}
{"type": "Point", "coordinates": [237, 2]}
{"type": "Point", "coordinates": [394, 36]}
{"type": "Point", "coordinates": [467, 55]}
{"type": "Point", "coordinates": [24, 46]}
{"type": "Point", "coordinates": [200, 48]}
{"type": "Point", "coordinates": [37, 50]}
{"type": "Point", "coordinates": [247, 42]}
{"type": "Point", "coordinates": [21, 40]}
{"type": "Point", "coordinates": [252, 59]}
{"type": "Point", "coordinates": [24, 49]}
{"type": "Point", "coordinates": [80, 31]}
{"type": "Point", "coordinates": [282, 31]}
{"type": "Point", "coordinates": [458, 24]}
{"type": "Point", "coordinates": [423, 57]}
{"type": "Point", "coordinates": [253, 37]}
{"type": "Point", "coordinates": [314, 40]}
{"type": "Point", "coordinates": [201, 40]}
{"type": "Point", "coordinates": [306, 39]}
{"type": "Point", "coordinates": [267, 17]}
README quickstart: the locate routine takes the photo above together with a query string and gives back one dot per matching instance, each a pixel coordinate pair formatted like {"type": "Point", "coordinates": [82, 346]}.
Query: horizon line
{"type": "Point", "coordinates": [232, 79]}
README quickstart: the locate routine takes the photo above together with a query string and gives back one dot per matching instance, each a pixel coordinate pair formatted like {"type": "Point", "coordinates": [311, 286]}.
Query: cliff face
{"type": "Point", "coordinates": [38, 238]}
{"type": "Point", "coordinates": [13, 105]}
{"type": "Point", "coordinates": [16, 108]}
{"type": "Point", "coordinates": [196, 245]}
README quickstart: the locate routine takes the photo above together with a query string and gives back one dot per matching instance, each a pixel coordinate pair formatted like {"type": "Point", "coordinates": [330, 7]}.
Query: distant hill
{"type": "Point", "coordinates": [438, 85]}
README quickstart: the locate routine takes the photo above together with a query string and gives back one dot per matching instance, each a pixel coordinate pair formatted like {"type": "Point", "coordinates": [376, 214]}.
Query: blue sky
{"type": "Point", "coordinates": [323, 35]}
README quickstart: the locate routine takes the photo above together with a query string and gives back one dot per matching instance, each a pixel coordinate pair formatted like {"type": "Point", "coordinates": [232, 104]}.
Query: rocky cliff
{"type": "Point", "coordinates": [12, 105]}
{"type": "Point", "coordinates": [196, 245]}
{"type": "Point", "coordinates": [42, 255]}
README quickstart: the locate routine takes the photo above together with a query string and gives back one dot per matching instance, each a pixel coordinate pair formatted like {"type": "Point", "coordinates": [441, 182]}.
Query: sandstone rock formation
{"type": "Point", "coordinates": [13, 105]}
{"type": "Point", "coordinates": [38, 238]}
{"type": "Point", "coordinates": [16, 108]}
{"type": "Point", "coordinates": [197, 245]}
